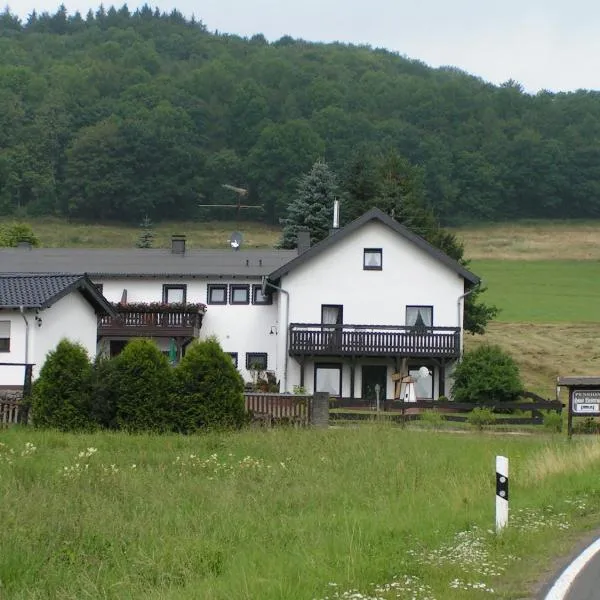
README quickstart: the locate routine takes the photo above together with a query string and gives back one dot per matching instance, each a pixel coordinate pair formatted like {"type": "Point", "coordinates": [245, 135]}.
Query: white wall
{"type": "Point", "coordinates": [14, 376]}
{"type": "Point", "coordinates": [410, 276]}
{"type": "Point", "coordinates": [73, 318]}
{"type": "Point", "coordinates": [239, 328]}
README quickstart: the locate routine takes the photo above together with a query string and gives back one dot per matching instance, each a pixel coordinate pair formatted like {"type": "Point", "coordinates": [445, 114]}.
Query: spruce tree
{"type": "Point", "coordinates": [147, 234]}
{"type": "Point", "coordinates": [312, 206]}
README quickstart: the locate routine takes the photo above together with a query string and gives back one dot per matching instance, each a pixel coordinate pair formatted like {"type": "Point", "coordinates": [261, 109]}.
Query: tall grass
{"type": "Point", "coordinates": [281, 514]}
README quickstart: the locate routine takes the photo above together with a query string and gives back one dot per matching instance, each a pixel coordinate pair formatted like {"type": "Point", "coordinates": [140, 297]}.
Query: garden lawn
{"type": "Point", "coordinates": [286, 514]}
{"type": "Point", "coordinates": [549, 291]}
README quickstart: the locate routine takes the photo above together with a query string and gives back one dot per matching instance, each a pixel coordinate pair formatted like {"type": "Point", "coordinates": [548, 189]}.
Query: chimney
{"type": "Point", "coordinates": [336, 217]}
{"type": "Point", "coordinates": [303, 239]}
{"type": "Point", "coordinates": [178, 244]}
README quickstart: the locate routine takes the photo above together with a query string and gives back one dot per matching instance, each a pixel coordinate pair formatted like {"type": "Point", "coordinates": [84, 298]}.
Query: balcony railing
{"type": "Point", "coordinates": [156, 323]}
{"type": "Point", "coordinates": [309, 339]}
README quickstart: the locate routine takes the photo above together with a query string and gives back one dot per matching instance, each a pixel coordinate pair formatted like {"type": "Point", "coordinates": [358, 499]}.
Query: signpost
{"type": "Point", "coordinates": [584, 397]}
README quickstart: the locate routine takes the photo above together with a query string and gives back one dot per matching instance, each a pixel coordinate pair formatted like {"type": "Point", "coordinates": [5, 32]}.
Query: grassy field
{"type": "Point", "coordinates": [287, 514]}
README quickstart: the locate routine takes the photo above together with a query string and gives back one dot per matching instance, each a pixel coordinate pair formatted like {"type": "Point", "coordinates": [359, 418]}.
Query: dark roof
{"type": "Point", "coordinates": [375, 214]}
{"type": "Point", "coordinates": [42, 290]}
{"type": "Point", "coordinates": [151, 262]}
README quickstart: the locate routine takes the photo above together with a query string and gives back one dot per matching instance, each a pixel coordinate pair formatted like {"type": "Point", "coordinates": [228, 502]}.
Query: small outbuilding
{"type": "Point", "coordinates": [37, 310]}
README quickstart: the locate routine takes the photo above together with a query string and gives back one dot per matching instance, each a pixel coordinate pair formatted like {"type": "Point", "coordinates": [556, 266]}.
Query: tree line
{"type": "Point", "coordinates": [120, 115]}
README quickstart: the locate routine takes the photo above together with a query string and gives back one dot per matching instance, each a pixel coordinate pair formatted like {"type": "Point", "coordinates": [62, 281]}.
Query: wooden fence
{"type": "Point", "coordinates": [12, 412]}
{"type": "Point", "coordinates": [272, 409]}
{"type": "Point", "coordinates": [356, 409]}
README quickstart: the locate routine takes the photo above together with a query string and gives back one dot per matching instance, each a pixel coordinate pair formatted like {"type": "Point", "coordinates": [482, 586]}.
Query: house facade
{"type": "Point", "coordinates": [36, 312]}
{"type": "Point", "coordinates": [348, 315]}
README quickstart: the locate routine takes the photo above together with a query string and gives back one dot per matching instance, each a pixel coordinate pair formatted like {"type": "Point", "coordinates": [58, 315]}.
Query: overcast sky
{"type": "Point", "coordinates": [542, 44]}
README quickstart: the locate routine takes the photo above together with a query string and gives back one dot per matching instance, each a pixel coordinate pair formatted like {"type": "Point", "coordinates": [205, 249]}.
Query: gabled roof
{"type": "Point", "coordinates": [150, 262]}
{"type": "Point", "coordinates": [42, 290]}
{"type": "Point", "coordinates": [375, 214]}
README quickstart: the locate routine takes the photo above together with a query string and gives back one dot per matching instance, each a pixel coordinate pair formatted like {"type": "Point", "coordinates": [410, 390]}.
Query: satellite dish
{"type": "Point", "coordinates": [424, 372]}
{"type": "Point", "coordinates": [235, 240]}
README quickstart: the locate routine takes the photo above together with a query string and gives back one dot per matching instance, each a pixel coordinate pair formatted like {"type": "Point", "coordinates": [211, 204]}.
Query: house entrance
{"type": "Point", "coordinates": [371, 376]}
{"type": "Point", "coordinates": [116, 347]}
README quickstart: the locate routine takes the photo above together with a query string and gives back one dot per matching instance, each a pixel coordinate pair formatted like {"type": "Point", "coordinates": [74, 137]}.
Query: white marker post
{"type": "Point", "coordinates": [501, 493]}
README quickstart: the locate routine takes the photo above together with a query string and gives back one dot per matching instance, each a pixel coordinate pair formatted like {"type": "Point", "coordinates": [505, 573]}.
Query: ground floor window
{"type": "Point", "coordinates": [328, 378]}
{"type": "Point", "coordinates": [423, 382]}
{"type": "Point", "coordinates": [4, 336]}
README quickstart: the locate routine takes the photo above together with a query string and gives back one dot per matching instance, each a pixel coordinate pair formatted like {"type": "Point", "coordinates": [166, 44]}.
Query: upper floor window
{"type": "Point", "coordinates": [258, 297]}
{"type": "Point", "coordinates": [419, 317]}
{"type": "Point", "coordinates": [217, 293]}
{"type": "Point", "coordinates": [174, 294]}
{"type": "Point", "coordinates": [373, 259]}
{"type": "Point", "coordinates": [332, 314]}
{"type": "Point", "coordinates": [4, 336]}
{"type": "Point", "coordinates": [239, 294]}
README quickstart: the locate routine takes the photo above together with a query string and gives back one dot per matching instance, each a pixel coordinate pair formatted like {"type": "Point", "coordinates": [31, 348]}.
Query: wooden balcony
{"type": "Point", "coordinates": [151, 323]}
{"type": "Point", "coordinates": [307, 339]}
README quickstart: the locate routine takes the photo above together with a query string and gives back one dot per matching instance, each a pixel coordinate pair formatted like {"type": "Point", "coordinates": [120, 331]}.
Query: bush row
{"type": "Point", "coordinates": [139, 390]}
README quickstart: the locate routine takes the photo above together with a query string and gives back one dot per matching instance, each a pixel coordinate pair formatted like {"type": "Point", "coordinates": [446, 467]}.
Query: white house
{"type": "Point", "coordinates": [371, 300]}
{"type": "Point", "coordinates": [37, 311]}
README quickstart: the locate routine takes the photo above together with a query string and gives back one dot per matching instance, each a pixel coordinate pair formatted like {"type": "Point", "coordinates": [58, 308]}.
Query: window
{"type": "Point", "coordinates": [234, 358]}
{"type": "Point", "coordinates": [4, 336]}
{"type": "Point", "coordinates": [328, 378]}
{"type": "Point", "coordinates": [240, 294]}
{"type": "Point", "coordinates": [174, 294]}
{"type": "Point", "coordinates": [332, 314]}
{"type": "Point", "coordinates": [217, 294]}
{"type": "Point", "coordinates": [423, 385]}
{"type": "Point", "coordinates": [258, 297]}
{"type": "Point", "coordinates": [256, 361]}
{"type": "Point", "coordinates": [373, 259]}
{"type": "Point", "coordinates": [419, 317]}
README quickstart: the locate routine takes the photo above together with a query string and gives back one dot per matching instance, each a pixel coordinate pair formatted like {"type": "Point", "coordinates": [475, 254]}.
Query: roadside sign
{"type": "Point", "coordinates": [586, 402]}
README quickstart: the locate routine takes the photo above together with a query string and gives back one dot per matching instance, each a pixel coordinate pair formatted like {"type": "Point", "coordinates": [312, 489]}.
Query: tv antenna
{"type": "Point", "coordinates": [241, 193]}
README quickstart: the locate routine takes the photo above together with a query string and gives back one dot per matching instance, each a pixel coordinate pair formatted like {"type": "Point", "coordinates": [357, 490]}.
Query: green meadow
{"type": "Point", "coordinates": [285, 514]}
{"type": "Point", "coordinates": [548, 291]}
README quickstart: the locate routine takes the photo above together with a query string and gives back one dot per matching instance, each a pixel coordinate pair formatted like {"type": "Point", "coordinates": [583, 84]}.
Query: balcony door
{"type": "Point", "coordinates": [332, 317]}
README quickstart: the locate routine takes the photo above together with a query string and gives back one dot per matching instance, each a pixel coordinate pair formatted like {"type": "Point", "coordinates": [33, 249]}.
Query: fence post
{"type": "Point", "coordinates": [319, 415]}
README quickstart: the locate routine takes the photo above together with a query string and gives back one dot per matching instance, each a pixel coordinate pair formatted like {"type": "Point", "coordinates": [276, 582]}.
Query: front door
{"type": "Point", "coordinates": [373, 376]}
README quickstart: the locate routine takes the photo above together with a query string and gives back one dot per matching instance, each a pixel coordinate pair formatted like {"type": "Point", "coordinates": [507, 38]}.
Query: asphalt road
{"type": "Point", "coordinates": [587, 584]}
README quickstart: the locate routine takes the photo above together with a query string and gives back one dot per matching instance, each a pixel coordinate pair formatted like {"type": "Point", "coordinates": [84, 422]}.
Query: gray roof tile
{"type": "Point", "coordinates": [41, 290]}
{"type": "Point", "coordinates": [152, 262]}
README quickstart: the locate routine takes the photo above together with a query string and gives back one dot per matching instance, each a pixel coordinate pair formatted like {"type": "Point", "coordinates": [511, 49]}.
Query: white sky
{"type": "Point", "coordinates": [542, 44]}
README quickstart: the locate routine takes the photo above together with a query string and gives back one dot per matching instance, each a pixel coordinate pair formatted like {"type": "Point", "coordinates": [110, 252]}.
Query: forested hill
{"type": "Point", "coordinates": [117, 115]}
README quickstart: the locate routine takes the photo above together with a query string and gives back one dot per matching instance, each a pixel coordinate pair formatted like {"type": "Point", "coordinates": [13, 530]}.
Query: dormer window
{"type": "Point", "coordinates": [373, 259]}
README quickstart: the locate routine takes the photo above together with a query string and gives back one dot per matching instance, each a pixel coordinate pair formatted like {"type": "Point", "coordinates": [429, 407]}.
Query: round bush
{"type": "Point", "coordinates": [143, 384]}
{"type": "Point", "coordinates": [61, 394]}
{"type": "Point", "coordinates": [487, 374]}
{"type": "Point", "coordinates": [209, 389]}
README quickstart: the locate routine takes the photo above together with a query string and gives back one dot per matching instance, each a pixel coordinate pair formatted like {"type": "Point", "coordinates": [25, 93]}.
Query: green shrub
{"type": "Point", "coordinates": [12, 235]}
{"type": "Point", "coordinates": [432, 418]}
{"type": "Point", "coordinates": [209, 389]}
{"type": "Point", "coordinates": [553, 421]}
{"type": "Point", "coordinates": [487, 374]}
{"type": "Point", "coordinates": [104, 395]}
{"type": "Point", "coordinates": [587, 425]}
{"type": "Point", "coordinates": [61, 394]}
{"type": "Point", "coordinates": [480, 417]}
{"type": "Point", "coordinates": [143, 383]}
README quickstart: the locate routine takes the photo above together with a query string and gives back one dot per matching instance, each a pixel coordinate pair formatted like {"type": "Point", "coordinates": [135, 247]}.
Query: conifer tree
{"type": "Point", "coordinates": [312, 206]}
{"type": "Point", "coordinates": [146, 238]}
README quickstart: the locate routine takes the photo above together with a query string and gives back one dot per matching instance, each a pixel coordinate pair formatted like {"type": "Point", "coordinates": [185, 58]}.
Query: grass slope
{"type": "Point", "coordinates": [285, 514]}
{"type": "Point", "coordinates": [542, 291]}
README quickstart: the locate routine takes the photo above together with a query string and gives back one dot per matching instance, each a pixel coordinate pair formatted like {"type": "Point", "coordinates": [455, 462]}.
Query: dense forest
{"type": "Point", "coordinates": [120, 115]}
